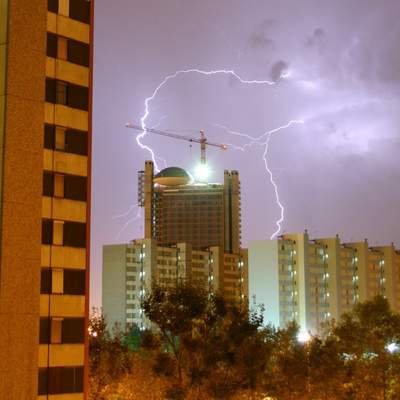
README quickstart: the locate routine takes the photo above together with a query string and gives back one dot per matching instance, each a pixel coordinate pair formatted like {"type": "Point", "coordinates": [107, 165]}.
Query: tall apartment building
{"type": "Point", "coordinates": [179, 210]}
{"type": "Point", "coordinates": [130, 269]}
{"type": "Point", "coordinates": [312, 281]}
{"type": "Point", "coordinates": [45, 76]}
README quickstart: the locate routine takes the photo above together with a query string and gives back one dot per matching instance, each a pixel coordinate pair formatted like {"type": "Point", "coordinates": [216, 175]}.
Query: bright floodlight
{"type": "Point", "coordinates": [202, 172]}
{"type": "Point", "coordinates": [392, 347]}
{"type": "Point", "coordinates": [303, 337]}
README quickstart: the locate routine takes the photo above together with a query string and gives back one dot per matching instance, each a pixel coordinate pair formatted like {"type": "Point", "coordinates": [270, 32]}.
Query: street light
{"type": "Point", "coordinates": [303, 336]}
{"type": "Point", "coordinates": [392, 347]}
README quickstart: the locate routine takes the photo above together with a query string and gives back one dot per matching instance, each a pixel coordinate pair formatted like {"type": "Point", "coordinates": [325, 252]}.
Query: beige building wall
{"type": "Point", "coordinates": [66, 126]}
{"type": "Point", "coordinates": [22, 72]}
{"type": "Point", "coordinates": [45, 60]}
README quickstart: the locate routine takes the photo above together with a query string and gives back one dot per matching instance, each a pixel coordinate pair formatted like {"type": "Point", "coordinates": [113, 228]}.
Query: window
{"type": "Point", "coordinates": [55, 333]}
{"type": "Point", "coordinates": [49, 136]}
{"type": "Point", "coordinates": [61, 330]}
{"type": "Point", "coordinates": [59, 138]}
{"type": "Point", "coordinates": [61, 93]}
{"type": "Point", "coordinates": [58, 185]}
{"type": "Point", "coordinates": [73, 330]}
{"type": "Point", "coordinates": [48, 184]}
{"type": "Point", "coordinates": [69, 140]}
{"type": "Point", "coordinates": [62, 48]}
{"type": "Point", "coordinates": [74, 234]}
{"type": "Point", "coordinates": [76, 142]}
{"type": "Point", "coordinates": [51, 45]}
{"type": "Point", "coordinates": [45, 281]}
{"type": "Point", "coordinates": [78, 52]}
{"type": "Point", "coordinates": [80, 10]}
{"type": "Point", "coordinates": [75, 187]}
{"type": "Point", "coordinates": [47, 231]}
{"type": "Point", "coordinates": [67, 94]}
{"type": "Point", "coordinates": [52, 5]}
{"type": "Point", "coordinates": [58, 232]}
{"type": "Point", "coordinates": [74, 281]}
{"type": "Point", "coordinates": [57, 380]}
{"type": "Point", "coordinates": [44, 332]}
{"type": "Point", "coordinates": [67, 49]}
{"type": "Point", "coordinates": [78, 97]}
{"type": "Point", "coordinates": [50, 90]}
{"type": "Point", "coordinates": [43, 381]}
{"type": "Point", "coordinates": [57, 280]}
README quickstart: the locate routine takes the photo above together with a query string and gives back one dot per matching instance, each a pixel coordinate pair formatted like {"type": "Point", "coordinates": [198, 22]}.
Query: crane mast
{"type": "Point", "coordinates": [202, 140]}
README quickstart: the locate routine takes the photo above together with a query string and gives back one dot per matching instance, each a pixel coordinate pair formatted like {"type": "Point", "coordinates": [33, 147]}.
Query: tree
{"type": "Point", "coordinates": [109, 357]}
{"type": "Point", "coordinates": [204, 345]}
{"type": "Point", "coordinates": [364, 335]}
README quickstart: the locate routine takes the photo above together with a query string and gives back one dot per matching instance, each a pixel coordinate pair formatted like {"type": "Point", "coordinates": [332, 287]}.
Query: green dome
{"type": "Point", "coordinates": [172, 176]}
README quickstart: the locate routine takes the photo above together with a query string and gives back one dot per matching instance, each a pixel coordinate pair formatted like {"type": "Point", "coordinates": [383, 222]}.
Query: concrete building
{"type": "Point", "coordinates": [179, 210]}
{"type": "Point", "coordinates": [130, 269]}
{"type": "Point", "coordinates": [45, 76]}
{"type": "Point", "coordinates": [312, 281]}
{"type": "Point", "coordinates": [192, 232]}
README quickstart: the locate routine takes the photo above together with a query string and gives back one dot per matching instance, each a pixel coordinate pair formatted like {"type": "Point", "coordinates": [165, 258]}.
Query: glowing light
{"type": "Point", "coordinates": [303, 337]}
{"type": "Point", "coordinates": [392, 347]}
{"type": "Point", "coordinates": [202, 172]}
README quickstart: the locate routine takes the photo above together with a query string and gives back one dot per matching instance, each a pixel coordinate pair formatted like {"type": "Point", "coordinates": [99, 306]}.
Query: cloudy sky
{"type": "Point", "coordinates": [333, 65]}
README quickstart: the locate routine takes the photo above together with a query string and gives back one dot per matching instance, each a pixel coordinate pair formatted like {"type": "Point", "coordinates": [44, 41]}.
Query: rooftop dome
{"type": "Point", "coordinates": [172, 176]}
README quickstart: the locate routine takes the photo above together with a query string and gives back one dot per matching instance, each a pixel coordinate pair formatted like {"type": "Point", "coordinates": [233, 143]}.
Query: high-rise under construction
{"type": "Point", "coordinates": [179, 210]}
{"type": "Point", "coordinates": [192, 232]}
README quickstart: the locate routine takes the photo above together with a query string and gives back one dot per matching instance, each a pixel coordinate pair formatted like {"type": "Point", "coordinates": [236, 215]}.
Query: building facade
{"type": "Point", "coordinates": [45, 124]}
{"type": "Point", "coordinates": [129, 270]}
{"type": "Point", "coordinates": [178, 210]}
{"type": "Point", "coordinates": [313, 281]}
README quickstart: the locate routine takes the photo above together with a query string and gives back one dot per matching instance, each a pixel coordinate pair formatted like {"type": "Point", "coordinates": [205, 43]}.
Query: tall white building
{"type": "Point", "coordinates": [312, 281]}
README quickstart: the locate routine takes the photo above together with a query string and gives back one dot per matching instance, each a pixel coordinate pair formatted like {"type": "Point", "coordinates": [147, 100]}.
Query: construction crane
{"type": "Point", "coordinates": [202, 139]}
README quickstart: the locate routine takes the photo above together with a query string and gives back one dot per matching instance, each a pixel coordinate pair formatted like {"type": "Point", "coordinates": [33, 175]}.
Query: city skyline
{"type": "Point", "coordinates": [338, 75]}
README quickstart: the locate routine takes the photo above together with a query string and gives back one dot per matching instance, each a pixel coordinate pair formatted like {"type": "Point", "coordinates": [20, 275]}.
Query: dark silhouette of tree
{"type": "Point", "coordinates": [364, 336]}
{"type": "Point", "coordinates": [203, 344]}
{"type": "Point", "coordinates": [109, 357]}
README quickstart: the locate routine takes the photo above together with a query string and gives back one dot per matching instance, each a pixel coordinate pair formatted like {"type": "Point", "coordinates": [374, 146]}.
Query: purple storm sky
{"type": "Point", "coordinates": [336, 66]}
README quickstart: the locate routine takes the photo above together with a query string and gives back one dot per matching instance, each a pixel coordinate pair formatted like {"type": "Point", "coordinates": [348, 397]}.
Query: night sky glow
{"type": "Point", "coordinates": [332, 68]}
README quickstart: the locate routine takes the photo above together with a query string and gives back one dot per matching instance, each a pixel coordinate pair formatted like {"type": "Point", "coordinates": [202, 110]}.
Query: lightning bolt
{"type": "Point", "coordinates": [258, 141]}
{"type": "Point", "coordinates": [125, 214]}
{"type": "Point", "coordinates": [264, 139]}
{"type": "Point", "coordinates": [173, 76]}
{"type": "Point", "coordinates": [130, 221]}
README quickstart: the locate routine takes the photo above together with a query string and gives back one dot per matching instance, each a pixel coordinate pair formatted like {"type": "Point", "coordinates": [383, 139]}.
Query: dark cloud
{"type": "Point", "coordinates": [259, 40]}
{"type": "Point", "coordinates": [260, 37]}
{"type": "Point", "coordinates": [316, 40]}
{"type": "Point", "coordinates": [278, 69]}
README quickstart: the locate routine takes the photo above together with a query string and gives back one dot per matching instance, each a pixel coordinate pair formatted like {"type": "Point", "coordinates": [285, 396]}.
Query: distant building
{"type": "Point", "coordinates": [312, 281]}
{"type": "Point", "coordinates": [130, 269]}
{"type": "Point", "coordinates": [192, 232]}
{"type": "Point", "coordinates": [179, 210]}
